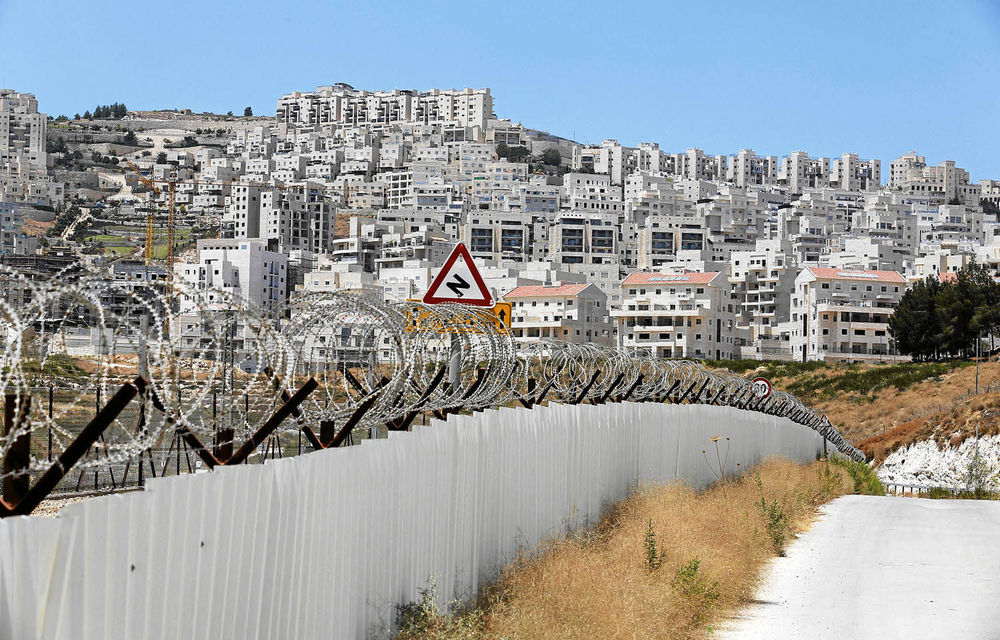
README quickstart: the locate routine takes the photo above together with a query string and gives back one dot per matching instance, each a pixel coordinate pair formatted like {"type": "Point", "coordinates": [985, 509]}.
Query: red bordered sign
{"type": "Point", "coordinates": [459, 281]}
{"type": "Point", "coordinates": [761, 387]}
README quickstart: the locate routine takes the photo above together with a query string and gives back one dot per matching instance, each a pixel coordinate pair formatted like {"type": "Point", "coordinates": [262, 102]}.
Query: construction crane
{"type": "Point", "coordinates": [151, 185]}
{"type": "Point", "coordinates": [171, 211]}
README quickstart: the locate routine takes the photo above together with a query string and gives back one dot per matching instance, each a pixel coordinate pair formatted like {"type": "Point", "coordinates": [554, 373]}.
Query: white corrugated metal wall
{"type": "Point", "coordinates": [325, 545]}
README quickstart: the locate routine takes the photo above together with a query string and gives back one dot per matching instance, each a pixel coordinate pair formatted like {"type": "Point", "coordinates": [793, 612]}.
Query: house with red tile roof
{"type": "Point", "coordinates": [842, 315]}
{"type": "Point", "coordinates": [576, 313]}
{"type": "Point", "coordinates": [678, 315]}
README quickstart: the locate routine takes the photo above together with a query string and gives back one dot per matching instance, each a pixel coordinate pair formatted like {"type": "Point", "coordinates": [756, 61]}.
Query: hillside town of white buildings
{"type": "Point", "coordinates": [683, 254]}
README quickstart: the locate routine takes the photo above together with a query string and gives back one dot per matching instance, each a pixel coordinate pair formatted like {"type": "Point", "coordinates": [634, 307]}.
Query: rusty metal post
{"type": "Point", "coordinates": [583, 394]}
{"type": "Point", "coordinates": [273, 422]}
{"type": "Point", "coordinates": [614, 385]}
{"type": "Point", "coordinates": [74, 451]}
{"type": "Point", "coordinates": [685, 394]}
{"type": "Point", "coordinates": [628, 394]}
{"type": "Point", "coordinates": [49, 458]}
{"type": "Point", "coordinates": [327, 431]}
{"type": "Point", "coordinates": [224, 443]}
{"type": "Point", "coordinates": [16, 480]}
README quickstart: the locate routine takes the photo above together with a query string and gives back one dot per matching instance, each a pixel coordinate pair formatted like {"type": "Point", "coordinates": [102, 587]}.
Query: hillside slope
{"type": "Point", "coordinates": [881, 408]}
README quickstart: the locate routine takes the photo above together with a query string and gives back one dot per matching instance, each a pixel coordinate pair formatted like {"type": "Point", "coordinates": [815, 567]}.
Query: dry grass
{"type": "Point", "coordinates": [950, 426]}
{"type": "Point", "coordinates": [711, 548]}
{"type": "Point", "coordinates": [862, 418]}
{"type": "Point", "coordinates": [941, 407]}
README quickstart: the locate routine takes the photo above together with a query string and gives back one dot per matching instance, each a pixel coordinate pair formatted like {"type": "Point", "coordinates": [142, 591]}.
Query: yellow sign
{"type": "Point", "coordinates": [502, 311]}
{"type": "Point", "coordinates": [499, 316]}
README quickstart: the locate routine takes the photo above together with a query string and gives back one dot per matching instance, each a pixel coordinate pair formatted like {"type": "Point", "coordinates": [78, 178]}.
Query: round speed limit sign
{"type": "Point", "coordinates": [761, 387]}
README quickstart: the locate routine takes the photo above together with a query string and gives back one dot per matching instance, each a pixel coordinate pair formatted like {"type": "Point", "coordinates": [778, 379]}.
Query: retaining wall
{"type": "Point", "coordinates": [325, 545]}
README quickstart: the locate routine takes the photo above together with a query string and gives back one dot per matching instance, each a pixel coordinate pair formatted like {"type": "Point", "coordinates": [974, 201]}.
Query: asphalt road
{"type": "Point", "coordinates": [884, 568]}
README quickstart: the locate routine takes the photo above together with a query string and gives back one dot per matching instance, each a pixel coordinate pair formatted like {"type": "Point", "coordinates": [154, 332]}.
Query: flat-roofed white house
{"type": "Point", "coordinates": [843, 315]}
{"type": "Point", "coordinates": [686, 315]}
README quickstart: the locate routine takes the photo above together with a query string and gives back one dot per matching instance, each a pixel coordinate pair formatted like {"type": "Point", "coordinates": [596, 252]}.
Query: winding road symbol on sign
{"type": "Point", "coordinates": [459, 276]}
{"type": "Point", "coordinates": [761, 387]}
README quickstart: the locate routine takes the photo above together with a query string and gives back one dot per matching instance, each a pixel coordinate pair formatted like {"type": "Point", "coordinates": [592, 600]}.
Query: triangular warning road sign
{"type": "Point", "coordinates": [459, 281]}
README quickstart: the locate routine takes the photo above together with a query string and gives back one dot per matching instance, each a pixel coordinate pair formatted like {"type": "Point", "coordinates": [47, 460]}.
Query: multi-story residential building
{"type": "Point", "coordinates": [944, 183]}
{"type": "Point", "coordinates": [252, 271]}
{"type": "Point", "coordinates": [496, 235]}
{"type": "Point", "coordinates": [852, 174]}
{"type": "Point", "coordinates": [747, 168]}
{"type": "Point", "coordinates": [762, 281]}
{"type": "Point", "coordinates": [331, 275]}
{"type": "Point", "coordinates": [11, 222]}
{"type": "Point", "coordinates": [24, 163]}
{"type": "Point", "coordinates": [610, 159]}
{"type": "Point", "coordinates": [843, 315]}
{"type": "Point", "coordinates": [298, 217]}
{"type": "Point", "coordinates": [535, 196]}
{"type": "Point", "coordinates": [683, 315]}
{"type": "Point", "coordinates": [586, 238]}
{"type": "Point", "coordinates": [799, 171]}
{"type": "Point", "coordinates": [575, 313]}
{"type": "Point", "coordinates": [342, 105]}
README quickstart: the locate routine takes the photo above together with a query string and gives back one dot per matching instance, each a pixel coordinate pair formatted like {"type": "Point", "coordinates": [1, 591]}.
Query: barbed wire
{"type": "Point", "coordinates": [211, 362]}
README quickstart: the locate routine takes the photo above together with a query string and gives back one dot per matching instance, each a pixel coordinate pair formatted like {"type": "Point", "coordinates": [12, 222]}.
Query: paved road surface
{"type": "Point", "coordinates": [884, 568]}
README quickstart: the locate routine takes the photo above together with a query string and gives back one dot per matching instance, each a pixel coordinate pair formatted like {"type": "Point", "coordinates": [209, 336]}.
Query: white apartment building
{"type": "Point", "coordinates": [24, 163]}
{"type": "Point", "coordinates": [576, 313]}
{"type": "Point", "coordinates": [248, 270]}
{"type": "Point", "coordinates": [747, 168]}
{"type": "Point", "coordinates": [693, 164]}
{"type": "Point", "coordinates": [330, 276]}
{"type": "Point", "coordinates": [684, 315]}
{"type": "Point", "coordinates": [944, 183]}
{"type": "Point", "coordinates": [342, 105]}
{"type": "Point", "coordinates": [762, 281]}
{"type": "Point", "coordinates": [298, 217]}
{"type": "Point", "coordinates": [498, 235]}
{"type": "Point", "coordinates": [799, 171]}
{"type": "Point", "coordinates": [843, 315]}
{"type": "Point", "coordinates": [230, 274]}
{"type": "Point", "coordinates": [11, 221]}
{"type": "Point", "coordinates": [853, 174]}
{"type": "Point", "coordinates": [610, 159]}
{"type": "Point", "coordinates": [585, 238]}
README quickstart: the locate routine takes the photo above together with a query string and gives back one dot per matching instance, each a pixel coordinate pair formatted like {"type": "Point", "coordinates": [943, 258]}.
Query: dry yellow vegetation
{"type": "Point", "coordinates": [668, 562]}
{"type": "Point", "coordinates": [881, 408]}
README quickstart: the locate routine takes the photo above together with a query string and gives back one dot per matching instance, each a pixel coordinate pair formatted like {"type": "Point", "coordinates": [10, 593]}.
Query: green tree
{"type": "Point", "coordinates": [502, 150]}
{"type": "Point", "coordinates": [76, 116]}
{"type": "Point", "coordinates": [552, 156]}
{"type": "Point", "coordinates": [248, 112]}
{"type": "Point", "coordinates": [161, 157]}
{"type": "Point", "coordinates": [935, 319]}
{"type": "Point", "coordinates": [87, 115]}
{"type": "Point", "coordinates": [915, 326]}
{"type": "Point", "coordinates": [130, 138]}
{"type": "Point", "coordinates": [518, 154]}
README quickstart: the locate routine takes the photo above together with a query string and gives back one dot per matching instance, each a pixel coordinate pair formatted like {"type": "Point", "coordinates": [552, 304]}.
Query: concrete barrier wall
{"type": "Point", "coordinates": [325, 545]}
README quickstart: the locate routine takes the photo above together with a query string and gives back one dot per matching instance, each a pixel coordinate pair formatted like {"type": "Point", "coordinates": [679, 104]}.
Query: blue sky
{"type": "Point", "coordinates": [874, 78]}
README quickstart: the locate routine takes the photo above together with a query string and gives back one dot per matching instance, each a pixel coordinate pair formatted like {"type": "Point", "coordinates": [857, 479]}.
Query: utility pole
{"type": "Point", "coordinates": [977, 362]}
